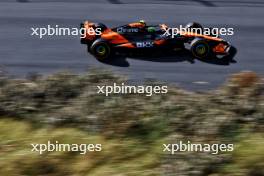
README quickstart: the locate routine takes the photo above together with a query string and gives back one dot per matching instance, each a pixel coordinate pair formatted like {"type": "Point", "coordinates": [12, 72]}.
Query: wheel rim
{"type": "Point", "coordinates": [200, 49]}
{"type": "Point", "coordinates": [101, 50]}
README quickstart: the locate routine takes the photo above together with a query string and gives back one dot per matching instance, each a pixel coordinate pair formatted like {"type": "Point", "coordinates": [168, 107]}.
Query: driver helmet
{"type": "Point", "coordinates": [142, 22]}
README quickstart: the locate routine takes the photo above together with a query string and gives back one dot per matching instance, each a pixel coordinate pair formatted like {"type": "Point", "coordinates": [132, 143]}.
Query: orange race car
{"type": "Point", "coordinates": [139, 37]}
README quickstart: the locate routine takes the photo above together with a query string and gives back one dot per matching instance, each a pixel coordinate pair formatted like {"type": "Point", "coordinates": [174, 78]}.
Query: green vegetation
{"type": "Point", "coordinates": [132, 128]}
{"type": "Point", "coordinates": [118, 156]}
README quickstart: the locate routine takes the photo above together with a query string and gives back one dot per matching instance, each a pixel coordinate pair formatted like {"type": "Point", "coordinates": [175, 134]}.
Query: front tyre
{"type": "Point", "coordinates": [200, 49]}
{"type": "Point", "coordinates": [101, 50]}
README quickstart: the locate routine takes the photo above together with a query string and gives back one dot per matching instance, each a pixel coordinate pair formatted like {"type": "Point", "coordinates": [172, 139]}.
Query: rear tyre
{"type": "Point", "coordinates": [101, 50]}
{"type": "Point", "coordinates": [200, 49]}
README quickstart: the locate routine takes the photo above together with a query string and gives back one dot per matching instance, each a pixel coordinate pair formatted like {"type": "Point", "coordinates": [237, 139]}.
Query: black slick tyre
{"type": "Point", "coordinates": [200, 49]}
{"type": "Point", "coordinates": [101, 50]}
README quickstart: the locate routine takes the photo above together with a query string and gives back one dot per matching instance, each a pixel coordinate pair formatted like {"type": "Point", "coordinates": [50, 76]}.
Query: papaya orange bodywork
{"type": "Point", "coordinates": [137, 25]}
{"type": "Point", "coordinates": [191, 34]}
{"type": "Point", "coordinates": [159, 42]}
{"type": "Point", "coordinates": [114, 37]}
{"type": "Point", "coordinates": [87, 25]}
{"type": "Point", "coordinates": [127, 45]}
{"type": "Point", "coordinates": [220, 48]}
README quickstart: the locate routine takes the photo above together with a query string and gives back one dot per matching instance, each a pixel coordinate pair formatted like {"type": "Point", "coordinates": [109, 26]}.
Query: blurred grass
{"type": "Point", "coordinates": [248, 158]}
{"type": "Point", "coordinates": [118, 156]}
{"type": "Point", "coordinates": [132, 128]}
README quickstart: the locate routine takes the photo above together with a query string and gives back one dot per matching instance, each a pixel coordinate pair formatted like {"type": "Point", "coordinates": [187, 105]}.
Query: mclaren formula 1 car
{"type": "Point", "coordinates": [139, 37]}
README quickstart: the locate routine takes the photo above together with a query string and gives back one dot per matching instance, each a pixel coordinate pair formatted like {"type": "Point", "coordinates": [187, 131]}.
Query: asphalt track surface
{"type": "Point", "coordinates": [21, 53]}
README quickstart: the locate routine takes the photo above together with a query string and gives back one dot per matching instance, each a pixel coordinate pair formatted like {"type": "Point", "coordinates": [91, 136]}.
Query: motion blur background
{"type": "Point", "coordinates": [21, 53]}
{"type": "Point", "coordinates": [208, 102]}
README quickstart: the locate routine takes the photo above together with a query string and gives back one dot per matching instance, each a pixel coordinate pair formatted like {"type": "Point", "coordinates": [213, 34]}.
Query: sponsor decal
{"type": "Point", "coordinates": [144, 44]}
{"type": "Point", "coordinates": [124, 30]}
